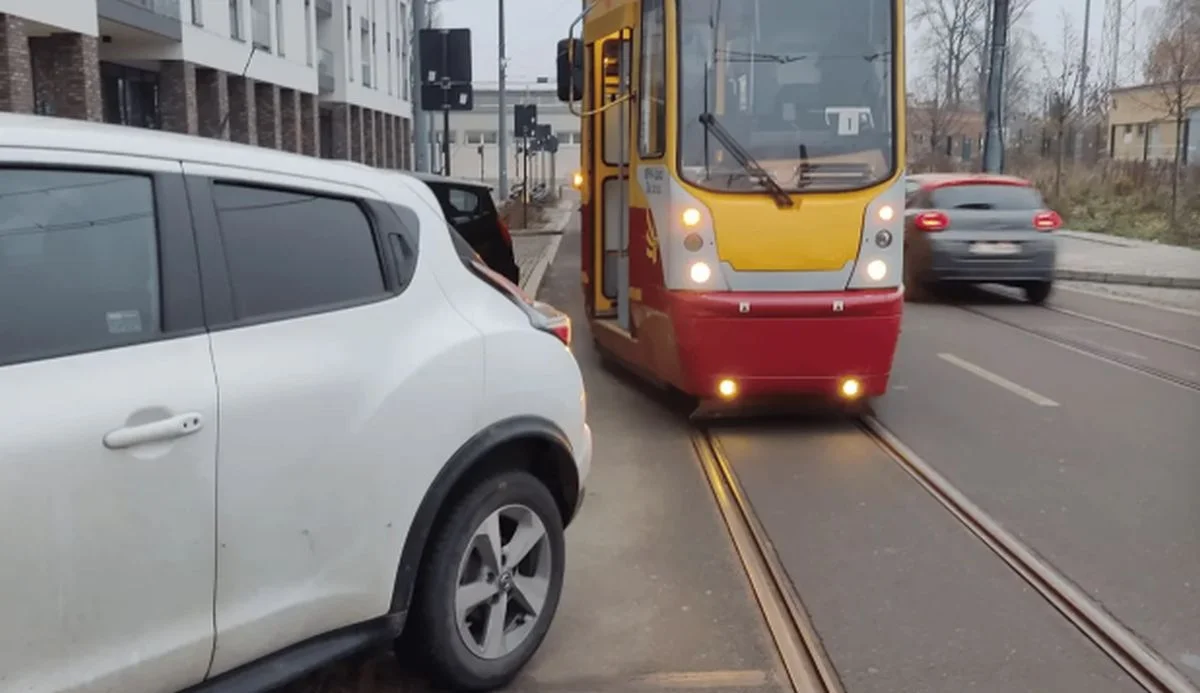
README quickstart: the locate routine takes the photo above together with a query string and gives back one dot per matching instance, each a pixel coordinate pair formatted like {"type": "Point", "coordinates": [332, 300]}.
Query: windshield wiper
{"type": "Point", "coordinates": [739, 153]}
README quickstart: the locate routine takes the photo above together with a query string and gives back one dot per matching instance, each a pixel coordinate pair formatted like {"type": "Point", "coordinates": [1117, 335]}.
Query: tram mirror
{"type": "Point", "coordinates": [570, 69]}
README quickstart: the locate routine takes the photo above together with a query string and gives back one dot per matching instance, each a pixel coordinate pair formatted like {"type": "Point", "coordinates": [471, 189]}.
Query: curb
{"type": "Point", "coordinates": [534, 281]}
{"type": "Point", "coordinates": [1127, 278]}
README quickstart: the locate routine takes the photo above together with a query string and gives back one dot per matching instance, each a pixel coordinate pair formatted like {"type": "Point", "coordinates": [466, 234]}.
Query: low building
{"type": "Point", "coordinates": [475, 137]}
{"type": "Point", "coordinates": [1143, 126]}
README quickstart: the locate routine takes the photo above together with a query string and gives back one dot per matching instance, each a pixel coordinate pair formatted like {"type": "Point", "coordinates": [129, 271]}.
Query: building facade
{"type": "Point", "coordinates": [475, 137]}
{"type": "Point", "coordinates": [320, 77]}
{"type": "Point", "coordinates": [1143, 127]}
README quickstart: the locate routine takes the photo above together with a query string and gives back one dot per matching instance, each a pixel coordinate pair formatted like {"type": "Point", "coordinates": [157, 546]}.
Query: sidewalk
{"type": "Point", "coordinates": [535, 248]}
{"type": "Point", "coordinates": [1094, 257]}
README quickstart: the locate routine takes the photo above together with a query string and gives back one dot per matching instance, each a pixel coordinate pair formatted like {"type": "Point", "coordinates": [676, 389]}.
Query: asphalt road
{"type": "Point", "coordinates": [1092, 463]}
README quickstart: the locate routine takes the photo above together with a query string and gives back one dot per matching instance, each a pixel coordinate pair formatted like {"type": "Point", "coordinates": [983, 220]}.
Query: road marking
{"type": "Point", "coordinates": [998, 380]}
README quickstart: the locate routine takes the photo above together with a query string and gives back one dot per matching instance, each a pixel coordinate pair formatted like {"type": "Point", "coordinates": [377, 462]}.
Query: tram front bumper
{"type": "Point", "coordinates": [773, 344]}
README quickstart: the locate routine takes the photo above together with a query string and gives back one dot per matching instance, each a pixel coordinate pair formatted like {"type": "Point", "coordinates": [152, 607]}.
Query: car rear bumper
{"type": "Point", "coordinates": [954, 261]}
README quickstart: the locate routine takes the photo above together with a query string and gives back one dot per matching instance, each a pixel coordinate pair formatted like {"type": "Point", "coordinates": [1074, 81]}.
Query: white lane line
{"type": "Point", "coordinates": [998, 380]}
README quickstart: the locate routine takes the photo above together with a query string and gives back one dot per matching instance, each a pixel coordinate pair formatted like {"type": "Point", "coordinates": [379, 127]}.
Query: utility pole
{"type": "Point", "coordinates": [1081, 102]}
{"type": "Point", "coordinates": [502, 103]}
{"type": "Point", "coordinates": [993, 143]}
{"type": "Point", "coordinates": [421, 129]}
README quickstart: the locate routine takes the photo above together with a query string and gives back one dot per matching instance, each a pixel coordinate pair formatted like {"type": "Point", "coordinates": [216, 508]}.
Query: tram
{"type": "Point", "coordinates": [742, 191]}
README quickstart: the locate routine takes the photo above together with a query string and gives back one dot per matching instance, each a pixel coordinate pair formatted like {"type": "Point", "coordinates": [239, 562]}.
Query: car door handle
{"type": "Point", "coordinates": [155, 431]}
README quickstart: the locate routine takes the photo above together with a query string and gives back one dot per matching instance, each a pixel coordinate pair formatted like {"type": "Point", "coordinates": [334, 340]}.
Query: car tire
{"type": "Point", "coordinates": [458, 653]}
{"type": "Point", "coordinates": [1037, 292]}
{"type": "Point", "coordinates": [916, 289]}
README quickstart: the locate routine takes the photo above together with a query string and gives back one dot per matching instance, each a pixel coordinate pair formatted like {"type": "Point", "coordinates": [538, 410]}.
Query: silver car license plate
{"type": "Point", "coordinates": [999, 248]}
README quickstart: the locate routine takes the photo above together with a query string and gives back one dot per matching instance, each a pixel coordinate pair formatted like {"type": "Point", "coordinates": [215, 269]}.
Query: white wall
{"type": "Point", "coordinates": [385, 90]}
{"type": "Point", "coordinates": [78, 16]}
{"type": "Point", "coordinates": [211, 45]}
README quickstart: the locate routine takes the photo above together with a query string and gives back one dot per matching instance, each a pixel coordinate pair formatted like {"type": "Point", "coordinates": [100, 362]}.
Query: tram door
{"type": "Point", "coordinates": [611, 173]}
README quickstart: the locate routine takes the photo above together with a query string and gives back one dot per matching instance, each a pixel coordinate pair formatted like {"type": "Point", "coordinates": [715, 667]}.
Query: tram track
{"type": "Point", "coordinates": [806, 663]}
{"type": "Point", "coordinates": [1096, 351]}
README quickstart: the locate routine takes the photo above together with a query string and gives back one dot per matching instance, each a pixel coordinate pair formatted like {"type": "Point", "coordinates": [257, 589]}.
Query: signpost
{"type": "Point", "coordinates": [445, 56]}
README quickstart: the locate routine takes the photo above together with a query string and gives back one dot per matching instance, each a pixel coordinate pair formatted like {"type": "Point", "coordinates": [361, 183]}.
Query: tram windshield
{"type": "Point", "coordinates": [805, 87]}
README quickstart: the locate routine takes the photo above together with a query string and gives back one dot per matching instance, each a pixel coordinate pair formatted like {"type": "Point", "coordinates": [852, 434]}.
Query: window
{"type": "Point", "coordinates": [463, 201]}
{"type": "Point", "coordinates": [198, 12]}
{"type": "Point", "coordinates": [481, 137]}
{"type": "Point", "coordinates": [987, 196]}
{"type": "Point", "coordinates": [349, 42]}
{"type": "Point", "coordinates": [308, 32]}
{"type": "Point", "coordinates": [653, 87]}
{"type": "Point", "coordinates": [279, 27]}
{"type": "Point", "coordinates": [291, 251]}
{"type": "Point", "coordinates": [81, 249]}
{"type": "Point", "coordinates": [235, 19]}
{"type": "Point", "coordinates": [366, 53]}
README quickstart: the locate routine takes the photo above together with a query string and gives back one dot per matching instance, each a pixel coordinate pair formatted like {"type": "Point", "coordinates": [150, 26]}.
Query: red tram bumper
{"type": "Point", "coordinates": [791, 343]}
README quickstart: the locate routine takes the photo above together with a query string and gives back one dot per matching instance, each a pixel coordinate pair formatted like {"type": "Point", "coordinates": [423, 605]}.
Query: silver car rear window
{"type": "Point", "coordinates": [987, 196]}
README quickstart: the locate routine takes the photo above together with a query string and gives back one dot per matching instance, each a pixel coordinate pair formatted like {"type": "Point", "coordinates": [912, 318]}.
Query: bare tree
{"type": "Point", "coordinates": [952, 25]}
{"type": "Point", "coordinates": [931, 116]}
{"type": "Point", "coordinates": [1062, 75]}
{"type": "Point", "coordinates": [1173, 67]}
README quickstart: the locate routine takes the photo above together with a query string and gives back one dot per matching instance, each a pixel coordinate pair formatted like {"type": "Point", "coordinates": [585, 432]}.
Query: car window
{"type": "Point", "coordinates": [291, 251]}
{"type": "Point", "coordinates": [78, 262]}
{"type": "Point", "coordinates": [987, 196]}
{"type": "Point", "coordinates": [464, 201]}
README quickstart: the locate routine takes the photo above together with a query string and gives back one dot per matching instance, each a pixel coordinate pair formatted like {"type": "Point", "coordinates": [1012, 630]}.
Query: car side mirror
{"type": "Point", "coordinates": [570, 70]}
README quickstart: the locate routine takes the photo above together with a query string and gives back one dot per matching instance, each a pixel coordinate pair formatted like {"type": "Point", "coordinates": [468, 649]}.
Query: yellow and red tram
{"type": "Point", "coordinates": [742, 190]}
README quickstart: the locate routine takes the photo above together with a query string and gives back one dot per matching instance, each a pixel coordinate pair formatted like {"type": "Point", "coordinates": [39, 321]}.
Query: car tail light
{"type": "Point", "coordinates": [1047, 221]}
{"type": "Point", "coordinates": [542, 316]}
{"type": "Point", "coordinates": [504, 233]}
{"type": "Point", "coordinates": [932, 221]}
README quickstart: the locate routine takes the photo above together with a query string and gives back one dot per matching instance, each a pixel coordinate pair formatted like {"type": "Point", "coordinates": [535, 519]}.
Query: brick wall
{"type": "Point", "coordinates": [289, 120]}
{"type": "Point", "coordinates": [212, 103]}
{"type": "Point", "coordinates": [243, 122]}
{"type": "Point", "coordinates": [267, 110]}
{"type": "Point", "coordinates": [310, 125]}
{"type": "Point", "coordinates": [66, 76]}
{"type": "Point", "coordinates": [16, 84]}
{"type": "Point", "coordinates": [177, 97]}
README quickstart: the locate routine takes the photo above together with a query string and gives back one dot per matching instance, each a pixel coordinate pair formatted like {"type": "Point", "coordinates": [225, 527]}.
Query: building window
{"type": "Point", "coordinates": [279, 27]}
{"type": "Point", "coordinates": [235, 20]}
{"type": "Point", "coordinates": [308, 32]}
{"type": "Point", "coordinates": [402, 50]}
{"type": "Point", "coordinates": [365, 37]}
{"type": "Point", "coordinates": [260, 24]}
{"type": "Point", "coordinates": [349, 42]}
{"type": "Point", "coordinates": [391, 77]}
{"type": "Point", "coordinates": [130, 96]}
{"type": "Point", "coordinates": [198, 12]}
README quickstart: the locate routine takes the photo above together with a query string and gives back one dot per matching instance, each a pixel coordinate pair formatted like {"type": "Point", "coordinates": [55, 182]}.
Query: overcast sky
{"type": "Point", "coordinates": [534, 26]}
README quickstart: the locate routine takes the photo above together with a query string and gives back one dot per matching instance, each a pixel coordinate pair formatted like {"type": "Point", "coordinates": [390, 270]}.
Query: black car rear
{"type": "Point", "coordinates": [469, 208]}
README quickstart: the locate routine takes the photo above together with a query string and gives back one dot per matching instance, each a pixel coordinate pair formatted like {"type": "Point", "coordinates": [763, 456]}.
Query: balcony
{"type": "Point", "coordinates": [325, 72]}
{"type": "Point", "coordinates": [260, 27]}
{"type": "Point", "coordinates": [324, 8]}
{"type": "Point", "coordinates": [158, 18]}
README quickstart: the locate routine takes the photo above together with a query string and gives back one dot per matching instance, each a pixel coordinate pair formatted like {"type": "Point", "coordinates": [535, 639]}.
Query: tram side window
{"type": "Point", "coordinates": [653, 87]}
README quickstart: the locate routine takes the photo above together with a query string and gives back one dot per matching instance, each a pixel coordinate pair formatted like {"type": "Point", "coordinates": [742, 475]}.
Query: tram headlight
{"type": "Point", "coordinates": [691, 216]}
{"type": "Point", "coordinates": [700, 272]}
{"type": "Point", "coordinates": [577, 180]}
{"type": "Point", "coordinates": [727, 388]}
{"type": "Point", "coordinates": [886, 213]}
{"type": "Point", "coordinates": [850, 388]}
{"type": "Point", "coordinates": [876, 270]}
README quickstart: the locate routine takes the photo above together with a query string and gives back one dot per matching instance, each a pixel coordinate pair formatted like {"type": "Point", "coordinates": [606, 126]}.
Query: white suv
{"type": "Point", "coordinates": [259, 411]}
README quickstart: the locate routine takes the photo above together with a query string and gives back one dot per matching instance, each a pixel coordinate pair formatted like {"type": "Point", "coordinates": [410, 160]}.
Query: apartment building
{"type": "Point", "coordinates": [321, 77]}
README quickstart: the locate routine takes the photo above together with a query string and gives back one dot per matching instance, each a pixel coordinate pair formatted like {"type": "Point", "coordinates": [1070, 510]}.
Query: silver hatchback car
{"type": "Point", "coordinates": [978, 228]}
